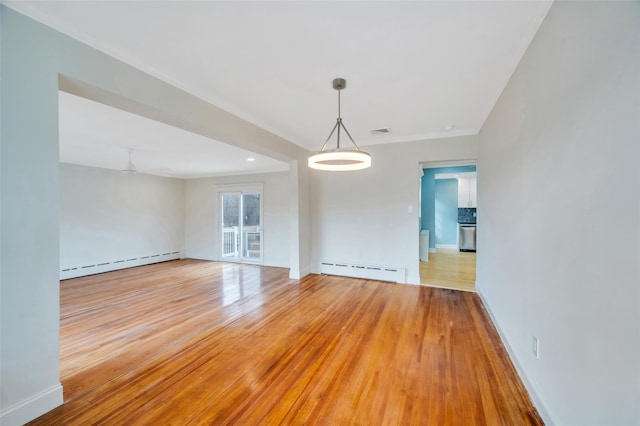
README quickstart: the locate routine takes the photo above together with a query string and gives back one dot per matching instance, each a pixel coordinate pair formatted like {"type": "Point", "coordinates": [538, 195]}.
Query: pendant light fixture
{"type": "Point", "coordinates": [339, 159]}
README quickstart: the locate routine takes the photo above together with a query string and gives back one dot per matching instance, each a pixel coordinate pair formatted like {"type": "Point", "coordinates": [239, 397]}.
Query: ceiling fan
{"type": "Point", "coordinates": [131, 169]}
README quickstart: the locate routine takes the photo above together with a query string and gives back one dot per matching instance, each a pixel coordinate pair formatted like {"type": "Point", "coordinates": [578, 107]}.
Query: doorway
{"type": "Point", "coordinates": [241, 226]}
{"type": "Point", "coordinates": [444, 199]}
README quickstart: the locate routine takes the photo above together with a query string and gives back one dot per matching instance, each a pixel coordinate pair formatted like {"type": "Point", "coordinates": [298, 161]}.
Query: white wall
{"type": "Point", "coordinates": [202, 239]}
{"type": "Point", "coordinates": [35, 62]}
{"type": "Point", "coordinates": [300, 218]}
{"type": "Point", "coordinates": [558, 208]}
{"type": "Point", "coordinates": [106, 217]}
{"type": "Point", "coordinates": [363, 217]}
{"type": "Point", "coordinates": [29, 291]}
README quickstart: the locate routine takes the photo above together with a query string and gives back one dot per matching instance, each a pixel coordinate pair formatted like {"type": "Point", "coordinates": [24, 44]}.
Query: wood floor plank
{"type": "Point", "coordinates": [450, 269]}
{"type": "Point", "coordinates": [194, 342]}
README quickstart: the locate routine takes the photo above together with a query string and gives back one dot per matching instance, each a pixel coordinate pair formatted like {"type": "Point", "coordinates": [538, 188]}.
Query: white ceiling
{"type": "Point", "coordinates": [97, 135]}
{"type": "Point", "coordinates": [422, 69]}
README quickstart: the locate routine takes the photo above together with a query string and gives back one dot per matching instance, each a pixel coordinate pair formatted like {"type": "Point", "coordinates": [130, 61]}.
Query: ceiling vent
{"type": "Point", "coordinates": [382, 131]}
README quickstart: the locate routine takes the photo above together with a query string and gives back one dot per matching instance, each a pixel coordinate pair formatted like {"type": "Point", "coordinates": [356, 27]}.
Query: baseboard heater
{"type": "Point", "coordinates": [100, 267]}
{"type": "Point", "coordinates": [369, 272]}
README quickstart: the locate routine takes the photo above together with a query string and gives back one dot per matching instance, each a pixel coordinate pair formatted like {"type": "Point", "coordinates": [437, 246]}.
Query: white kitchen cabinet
{"type": "Point", "coordinates": [473, 191]}
{"type": "Point", "coordinates": [467, 192]}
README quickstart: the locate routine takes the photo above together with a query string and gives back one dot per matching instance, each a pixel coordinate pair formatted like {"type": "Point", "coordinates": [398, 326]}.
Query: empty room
{"type": "Point", "coordinates": [368, 213]}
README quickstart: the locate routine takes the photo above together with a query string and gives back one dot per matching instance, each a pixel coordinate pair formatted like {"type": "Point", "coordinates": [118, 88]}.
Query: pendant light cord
{"type": "Point", "coordinates": [339, 122]}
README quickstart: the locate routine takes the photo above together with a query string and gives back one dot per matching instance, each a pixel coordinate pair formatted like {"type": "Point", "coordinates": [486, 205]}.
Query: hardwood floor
{"type": "Point", "coordinates": [450, 269]}
{"type": "Point", "coordinates": [194, 342]}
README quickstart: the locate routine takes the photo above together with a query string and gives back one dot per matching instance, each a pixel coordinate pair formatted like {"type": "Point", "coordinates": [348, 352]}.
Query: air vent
{"type": "Point", "coordinates": [382, 131]}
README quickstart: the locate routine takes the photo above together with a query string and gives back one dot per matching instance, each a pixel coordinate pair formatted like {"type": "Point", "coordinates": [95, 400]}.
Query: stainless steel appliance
{"type": "Point", "coordinates": [467, 236]}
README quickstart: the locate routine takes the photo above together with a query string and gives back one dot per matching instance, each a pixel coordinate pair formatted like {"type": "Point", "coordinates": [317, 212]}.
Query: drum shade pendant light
{"type": "Point", "coordinates": [339, 159]}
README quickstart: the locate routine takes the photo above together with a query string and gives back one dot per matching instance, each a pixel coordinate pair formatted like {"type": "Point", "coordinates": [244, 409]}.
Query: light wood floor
{"type": "Point", "coordinates": [450, 269]}
{"type": "Point", "coordinates": [194, 342]}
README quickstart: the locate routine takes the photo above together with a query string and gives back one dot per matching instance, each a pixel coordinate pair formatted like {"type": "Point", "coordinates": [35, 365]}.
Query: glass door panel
{"type": "Point", "coordinates": [230, 225]}
{"type": "Point", "coordinates": [241, 233]}
{"type": "Point", "coordinates": [251, 232]}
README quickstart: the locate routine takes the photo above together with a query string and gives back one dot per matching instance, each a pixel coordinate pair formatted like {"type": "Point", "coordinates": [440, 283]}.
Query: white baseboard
{"type": "Point", "coordinates": [531, 390]}
{"type": "Point", "coordinates": [447, 246]}
{"type": "Point", "coordinates": [368, 272]}
{"type": "Point", "coordinates": [32, 407]}
{"type": "Point", "coordinates": [93, 268]}
{"type": "Point", "coordinates": [198, 257]}
{"type": "Point", "coordinates": [432, 250]}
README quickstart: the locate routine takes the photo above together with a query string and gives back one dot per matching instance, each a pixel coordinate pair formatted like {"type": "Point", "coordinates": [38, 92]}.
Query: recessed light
{"type": "Point", "coordinates": [449, 126]}
{"type": "Point", "coordinates": [251, 159]}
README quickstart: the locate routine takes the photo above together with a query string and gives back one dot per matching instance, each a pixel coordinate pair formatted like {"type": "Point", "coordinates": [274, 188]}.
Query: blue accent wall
{"type": "Point", "coordinates": [446, 211]}
{"type": "Point", "coordinates": [428, 204]}
{"type": "Point", "coordinates": [428, 200]}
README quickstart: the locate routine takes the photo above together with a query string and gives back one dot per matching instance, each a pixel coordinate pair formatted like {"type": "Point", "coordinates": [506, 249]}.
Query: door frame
{"type": "Point", "coordinates": [247, 188]}
{"type": "Point", "coordinates": [434, 165]}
